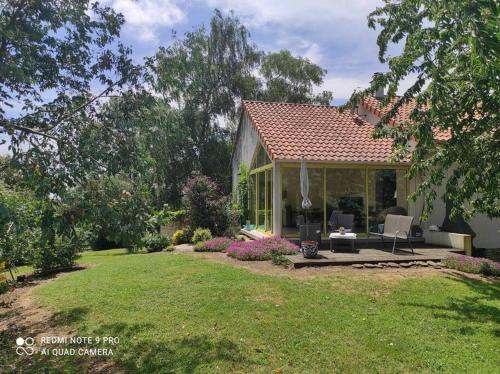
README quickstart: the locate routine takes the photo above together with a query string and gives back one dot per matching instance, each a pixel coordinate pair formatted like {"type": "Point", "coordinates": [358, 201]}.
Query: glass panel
{"type": "Point", "coordinates": [345, 192]}
{"type": "Point", "coordinates": [252, 200]}
{"type": "Point", "coordinates": [386, 194]}
{"type": "Point", "coordinates": [261, 180]}
{"type": "Point", "coordinates": [261, 158]}
{"type": "Point", "coordinates": [293, 213]}
{"type": "Point", "coordinates": [269, 187]}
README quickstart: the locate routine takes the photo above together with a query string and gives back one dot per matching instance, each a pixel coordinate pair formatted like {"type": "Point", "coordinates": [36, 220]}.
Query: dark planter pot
{"type": "Point", "coordinates": [309, 249]}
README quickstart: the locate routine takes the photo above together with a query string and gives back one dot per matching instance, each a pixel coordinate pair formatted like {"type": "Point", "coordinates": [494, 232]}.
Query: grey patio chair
{"type": "Point", "coordinates": [396, 227]}
{"type": "Point", "coordinates": [334, 220]}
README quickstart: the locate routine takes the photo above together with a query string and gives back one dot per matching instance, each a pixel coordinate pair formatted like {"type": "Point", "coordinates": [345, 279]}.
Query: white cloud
{"type": "Point", "coordinates": [332, 34]}
{"type": "Point", "coordinates": [313, 53]}
{"type": "Point", "coordinates": [144, 18]}
{"type": "Point", "coordinates": [297, 13]}
{"type": "Point", "coordinates": [343, 87]}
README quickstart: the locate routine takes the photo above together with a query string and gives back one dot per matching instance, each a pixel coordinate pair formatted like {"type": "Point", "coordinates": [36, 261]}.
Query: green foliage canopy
{"type": "Point", "coordinates": [54, 56]}
{"type": "Point", "coordinates": [206, 73]}
{"type": "Point", "coordinates": [291, 79]}
{"type": "Point", "coordinates": [453, 50]}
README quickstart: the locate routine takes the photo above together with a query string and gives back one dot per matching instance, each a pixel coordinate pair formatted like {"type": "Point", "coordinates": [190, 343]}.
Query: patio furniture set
{"type": "Point", "coordinates": [395, 227]}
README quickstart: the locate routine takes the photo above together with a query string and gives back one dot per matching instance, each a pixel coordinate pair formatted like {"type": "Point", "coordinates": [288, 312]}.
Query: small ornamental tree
{"type": "Point", "coordinates": [206, 206]}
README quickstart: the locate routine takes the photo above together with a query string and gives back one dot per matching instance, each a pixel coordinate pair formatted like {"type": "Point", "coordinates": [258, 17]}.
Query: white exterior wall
{"type": "Point", "coordinates": [244, 149]}
{"type": "Point", "coordinates": [487, 230]}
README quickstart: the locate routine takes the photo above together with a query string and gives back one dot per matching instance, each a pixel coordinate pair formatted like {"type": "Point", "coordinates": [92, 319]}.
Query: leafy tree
{"type": "Point", "coordinates": [54, 57]}
{"type": "Point", "coordinates": [116, 208]}
{"type": "Point", "coordinates": [206, 74]}
{"type": "Point", "coordinates": [167, 146]}
{"type": "Point", "coordinates": [453, 49]}
{"type": "Point", "coordinates": [291, 79]}
{"type": "Point", "coordinates": [147, 140]}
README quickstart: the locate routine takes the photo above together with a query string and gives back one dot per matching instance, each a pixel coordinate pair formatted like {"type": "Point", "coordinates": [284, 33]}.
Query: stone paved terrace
{"type": "Point", "coordinates": [423, 253]}
{"type": "Point", "coordinates": [368, 251]}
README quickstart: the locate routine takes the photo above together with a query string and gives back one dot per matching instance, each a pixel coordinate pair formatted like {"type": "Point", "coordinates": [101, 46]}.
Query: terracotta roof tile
{"type": "Point", "coordinates": [374, 105]}
{"type": "Point", "coordinates": [317, 132]}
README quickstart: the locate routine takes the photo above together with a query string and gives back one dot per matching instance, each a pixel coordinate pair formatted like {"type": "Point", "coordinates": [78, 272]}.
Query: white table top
{"type": "Point", "coordinates": [347, 235]}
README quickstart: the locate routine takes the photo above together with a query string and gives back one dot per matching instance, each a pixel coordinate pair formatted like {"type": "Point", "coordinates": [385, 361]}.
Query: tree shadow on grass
{"type": "Point", "coordinates": [469, 308]}
{"type": "Point", "coordinates": [68, 317]}
{"type": "Point", "coordinates": [184, 355]}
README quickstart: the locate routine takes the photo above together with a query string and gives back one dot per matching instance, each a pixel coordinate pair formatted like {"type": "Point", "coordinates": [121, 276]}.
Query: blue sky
{"type": "Point", "coordinates": [333, 34]}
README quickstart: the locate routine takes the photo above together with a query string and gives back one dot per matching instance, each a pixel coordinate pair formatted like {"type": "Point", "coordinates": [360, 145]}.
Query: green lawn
{"type": "Point", "coordinates": [177, 313]}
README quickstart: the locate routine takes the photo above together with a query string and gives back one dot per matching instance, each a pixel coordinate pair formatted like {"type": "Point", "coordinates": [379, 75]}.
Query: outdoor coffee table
{"type": "Point", "coordinates": [347, 236]}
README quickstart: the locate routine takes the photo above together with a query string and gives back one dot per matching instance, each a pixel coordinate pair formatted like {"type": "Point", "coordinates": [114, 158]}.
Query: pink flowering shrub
{"type": "Point", "coordinates": [475, 265]}
{"type": "Point", "coordinates": [262, 249]}
{"type": "Point", "coordinates": [213, 245]}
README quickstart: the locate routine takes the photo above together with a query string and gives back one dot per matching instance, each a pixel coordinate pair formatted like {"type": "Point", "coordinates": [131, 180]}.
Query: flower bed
{"type": "Point", "coordinates": [262, 249]}
{"type": "Point", "coordinates": [476, 265]}
{"type": "Point", "coordinates": [213, 245]}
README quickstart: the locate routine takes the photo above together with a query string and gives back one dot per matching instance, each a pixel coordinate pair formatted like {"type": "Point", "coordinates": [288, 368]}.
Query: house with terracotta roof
{"type": "Point", "coordinates": [348, 169]}
{"type": "Point", "coordinates": [486, 231]}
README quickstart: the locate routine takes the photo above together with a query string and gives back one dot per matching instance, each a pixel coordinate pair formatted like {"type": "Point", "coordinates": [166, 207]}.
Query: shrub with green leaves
{"type": "Point", "coordinates": [58, 253]}
{"type": "Point", "coordinates": [180, 237]}
{"type": "Point", "coordinates": [207, 206]}
{"type": "Point", "coordinates": [164, 217]}
{"type": "Point", "coordinates": [19, 226]}
{"type": "Point", "coordinates": [242, 194]}
{"type": "Point", "coordinates": [201, 235]}
{"type": "Point", "coordinates": [117, 208]}
{"type": "Point", "coordinates": [154, 242]}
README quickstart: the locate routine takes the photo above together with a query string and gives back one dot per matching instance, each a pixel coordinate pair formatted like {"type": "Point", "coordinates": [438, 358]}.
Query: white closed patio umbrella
{"type": "Point", "coordinates": [304, 186]}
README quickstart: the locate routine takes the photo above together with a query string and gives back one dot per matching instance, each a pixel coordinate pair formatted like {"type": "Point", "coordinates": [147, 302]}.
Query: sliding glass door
{"type": "Point", "coordinates": [345, 192]}
{"type": "Point", "coordinates": [291, 203]}
{"type": "Point", "coordinates": [366, 192]}
{"type": "Point", "coordinates": [386, 195]}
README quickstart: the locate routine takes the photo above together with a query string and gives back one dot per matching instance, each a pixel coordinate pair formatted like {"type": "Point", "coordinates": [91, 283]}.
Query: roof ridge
{"type": "Point", "coordinates": [285, 103]}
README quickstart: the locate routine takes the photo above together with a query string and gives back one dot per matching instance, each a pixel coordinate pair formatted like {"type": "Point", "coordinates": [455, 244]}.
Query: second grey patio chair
{"type": "Point", "coordinates": [395, 227]}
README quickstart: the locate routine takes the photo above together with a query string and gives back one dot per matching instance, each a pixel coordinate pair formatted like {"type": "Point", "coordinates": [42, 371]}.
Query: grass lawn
{"type": "Point", "coordinates": [179, 313]}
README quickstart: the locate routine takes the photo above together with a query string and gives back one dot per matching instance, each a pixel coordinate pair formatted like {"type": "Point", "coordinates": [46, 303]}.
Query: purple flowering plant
{"type": "Point", "coordinates": [214, 245]}
{"type": "Point", "coordinates": [261, 249]}
{"type": "Point", "coordinates": [476, 265]}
